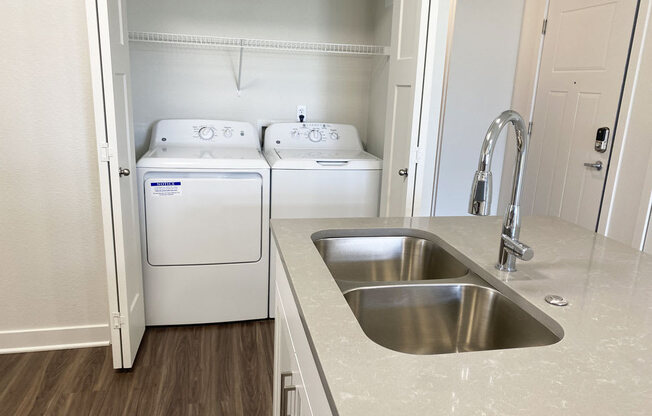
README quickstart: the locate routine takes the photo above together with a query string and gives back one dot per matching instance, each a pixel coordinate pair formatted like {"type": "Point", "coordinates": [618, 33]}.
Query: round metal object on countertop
{"type": "Point", "coordinates": [556, 300]}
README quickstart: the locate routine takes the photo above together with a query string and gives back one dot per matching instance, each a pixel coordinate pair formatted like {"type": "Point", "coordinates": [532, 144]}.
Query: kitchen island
{"type": "Point", "coordinates": [601, 365]}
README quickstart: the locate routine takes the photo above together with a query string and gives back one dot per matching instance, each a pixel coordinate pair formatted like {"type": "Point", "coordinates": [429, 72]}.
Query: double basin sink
{"type": "Point", "coordinates": [410, 295]}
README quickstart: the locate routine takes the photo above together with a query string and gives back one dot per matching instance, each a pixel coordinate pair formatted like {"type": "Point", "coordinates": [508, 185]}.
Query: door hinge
{"type": "Point", "coordinates": [104, 150]}
{"type": "Point", "coordinates": [544, 28]}
{"type": "Point", "coordinates": [529, 128]}
{"type": "Point", "coordinates": [118, 320]}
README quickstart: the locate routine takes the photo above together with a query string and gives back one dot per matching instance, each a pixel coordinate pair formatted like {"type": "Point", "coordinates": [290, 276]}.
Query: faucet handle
{"type": "Point", "coordinates": [480, 201]}
{"type": "Point", "coordinates": [518, 249]}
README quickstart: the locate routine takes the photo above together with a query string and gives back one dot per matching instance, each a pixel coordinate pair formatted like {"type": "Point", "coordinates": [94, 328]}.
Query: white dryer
{"type": "Point", "coordinates": [321, 170]}
{"type": "Point", "coordinates": [204, 211]}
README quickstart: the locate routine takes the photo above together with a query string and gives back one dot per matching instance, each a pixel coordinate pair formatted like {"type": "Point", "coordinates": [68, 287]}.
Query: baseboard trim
{"type": "Point", "coordinates": [58, 338]}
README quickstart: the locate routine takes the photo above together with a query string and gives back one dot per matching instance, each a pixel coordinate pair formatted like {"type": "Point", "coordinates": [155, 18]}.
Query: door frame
{"type": "Point", "coordinates": [609, 220]}
{"type": "Point", "coordinates": [438, 134]}
{"type": "Point", "coordinates": [433, 106]}
{"type": "Point", "coordinates": [424, 154]}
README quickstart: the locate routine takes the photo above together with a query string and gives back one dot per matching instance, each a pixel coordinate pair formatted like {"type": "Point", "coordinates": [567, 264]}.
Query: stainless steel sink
{"type": "Point", "coordinates": [387, 259]}
{"type": "Point", "coordinates": [445, 318]}
{"type": "Point", "coordinates": [410, 295]}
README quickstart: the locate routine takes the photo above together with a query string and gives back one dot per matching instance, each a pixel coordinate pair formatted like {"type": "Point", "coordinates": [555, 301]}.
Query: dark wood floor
{"type": "Point", "coordinates": [223, 369]}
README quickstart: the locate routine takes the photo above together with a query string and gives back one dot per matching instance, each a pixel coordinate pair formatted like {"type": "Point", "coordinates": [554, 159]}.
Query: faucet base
{"type": "Point", "coordinates": [505, 268]}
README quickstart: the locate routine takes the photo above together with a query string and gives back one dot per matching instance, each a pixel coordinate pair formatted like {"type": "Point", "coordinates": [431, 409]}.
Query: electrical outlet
{"type": "Point", "coordinates": [301, 113]}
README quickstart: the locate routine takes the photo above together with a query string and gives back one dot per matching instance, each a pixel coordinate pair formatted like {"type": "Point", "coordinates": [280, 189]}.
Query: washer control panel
{"type": "Point", "coordinates": [316, 132]}
{"type": "Point", "coordinates": [220, 133]}
{"type": "Point", "coordinates": [312, 135]}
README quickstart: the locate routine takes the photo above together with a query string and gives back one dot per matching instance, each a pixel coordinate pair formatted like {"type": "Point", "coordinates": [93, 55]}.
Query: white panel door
{"type": "Point", "coordinates": [409, 32]}
{"type": "Point", "coordinates": [582, 69]}
{"type": "Point", "coordinates": [109, 41]}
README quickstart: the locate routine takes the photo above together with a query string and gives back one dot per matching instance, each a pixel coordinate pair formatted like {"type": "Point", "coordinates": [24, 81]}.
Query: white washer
{"type": "Point", "coordinates": [321, 170]}
{"type": "Point", "coordinates": [204, 214]}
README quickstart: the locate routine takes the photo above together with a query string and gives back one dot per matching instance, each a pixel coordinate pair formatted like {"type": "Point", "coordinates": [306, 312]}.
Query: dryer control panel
{"type": "Point", "coordinates": [312, 136]}
{"type": "Point", "coordinates": [219, 133]}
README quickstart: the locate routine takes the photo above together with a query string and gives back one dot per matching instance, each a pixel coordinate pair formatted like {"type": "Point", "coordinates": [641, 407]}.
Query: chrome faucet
{"type": "Point", "coordinates": [480, 203]}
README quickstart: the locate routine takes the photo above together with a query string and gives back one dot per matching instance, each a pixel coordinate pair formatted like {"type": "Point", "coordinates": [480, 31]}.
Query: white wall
{"type": "Point", "coordinates": [481, 78]}
{"type": "Point", "coordinates": [52, 275]}
{"type": "Point", "coordinates": [628, 195]}
{"type": "Point", "coordinates": [171, 82]}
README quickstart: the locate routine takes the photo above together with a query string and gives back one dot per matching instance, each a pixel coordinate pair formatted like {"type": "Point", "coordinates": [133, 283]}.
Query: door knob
{"type": "Point", "coordinates": [124, 172]}
{"type": "Point", "coordinates": [597, 165]}
{"type": "Point", "coordinates": [403, 172]}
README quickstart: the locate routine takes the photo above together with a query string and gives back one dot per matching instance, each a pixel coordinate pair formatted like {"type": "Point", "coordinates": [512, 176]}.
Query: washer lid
{"type": "Point", "coordinates": [202, 157]}
{"type": "Point", "coordinates": [323, 159]}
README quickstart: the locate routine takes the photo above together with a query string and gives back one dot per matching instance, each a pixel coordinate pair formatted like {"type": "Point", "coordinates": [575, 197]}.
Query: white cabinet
{"type": "Point", "coordinates": [298, 388]}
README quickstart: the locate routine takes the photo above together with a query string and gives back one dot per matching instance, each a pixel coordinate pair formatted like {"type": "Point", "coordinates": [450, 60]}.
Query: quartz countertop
{"type": "Point", "coordinates": [602, 366]}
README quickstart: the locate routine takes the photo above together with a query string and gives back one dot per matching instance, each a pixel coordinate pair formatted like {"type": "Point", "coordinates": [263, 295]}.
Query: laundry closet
{"type": "Point", "coordinates": [351, 72]}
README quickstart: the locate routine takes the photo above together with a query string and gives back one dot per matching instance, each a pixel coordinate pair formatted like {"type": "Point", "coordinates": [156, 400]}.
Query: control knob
{"type": "Point", "coordinates": [314, 136]}
{"type": "Point", "coordinates": [206, 133]}
{"type": "Point", "coordinates": [227, 132]}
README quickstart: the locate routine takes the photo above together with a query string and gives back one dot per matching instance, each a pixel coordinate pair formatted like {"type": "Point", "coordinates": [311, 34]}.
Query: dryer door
{"type": "Point", "coordinates": [203, 218]}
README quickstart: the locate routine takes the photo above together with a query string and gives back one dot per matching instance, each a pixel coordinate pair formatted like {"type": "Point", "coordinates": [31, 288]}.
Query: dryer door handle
{"type": "Point", "coordinates": [333, 162]}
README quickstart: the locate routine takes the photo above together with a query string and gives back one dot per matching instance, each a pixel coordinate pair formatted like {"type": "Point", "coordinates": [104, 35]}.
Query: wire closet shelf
{"type": "Point", "coordinates": [261, 44]}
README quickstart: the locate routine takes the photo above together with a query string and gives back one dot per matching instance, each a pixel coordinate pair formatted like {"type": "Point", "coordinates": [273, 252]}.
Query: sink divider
{"type": "Point", "coordinates": [470, 278]}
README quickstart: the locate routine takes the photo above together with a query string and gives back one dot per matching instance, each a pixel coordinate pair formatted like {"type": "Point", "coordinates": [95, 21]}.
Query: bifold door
{"type": "Point", "coordinates": [109, 56]}
{"type": "Point", "coordinates": [406, 74]}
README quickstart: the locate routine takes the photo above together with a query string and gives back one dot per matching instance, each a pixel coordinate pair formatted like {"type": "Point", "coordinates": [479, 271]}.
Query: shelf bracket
{"type": "Point", "coordinates": [239, 80]}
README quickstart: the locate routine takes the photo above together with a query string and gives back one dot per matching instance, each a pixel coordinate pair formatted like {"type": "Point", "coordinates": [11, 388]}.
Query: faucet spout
{"type": "Point", "coordinates": [480, 201]}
